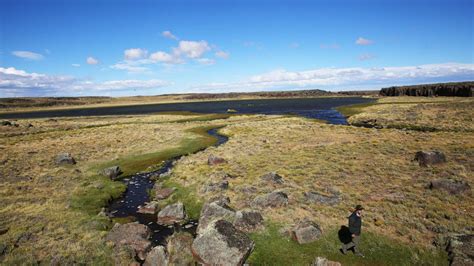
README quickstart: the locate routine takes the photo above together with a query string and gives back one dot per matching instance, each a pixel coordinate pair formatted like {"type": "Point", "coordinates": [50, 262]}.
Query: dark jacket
{"type": "Point", "coordinates": [355, 224]}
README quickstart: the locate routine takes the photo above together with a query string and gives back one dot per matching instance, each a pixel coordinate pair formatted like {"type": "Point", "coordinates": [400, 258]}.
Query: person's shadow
{"type": "Point", "coordinates": [344, 234]}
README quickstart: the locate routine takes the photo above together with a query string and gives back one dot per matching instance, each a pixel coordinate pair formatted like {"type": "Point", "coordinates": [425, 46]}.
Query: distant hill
{"type": "Point", "coordinates": [265, 94]}
{"type": "Point", "coordinates": [459, 89]}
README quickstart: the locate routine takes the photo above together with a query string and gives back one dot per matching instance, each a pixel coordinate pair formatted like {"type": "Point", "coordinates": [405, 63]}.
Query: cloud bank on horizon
{"type": "Point", "coordinates": [170, 48]}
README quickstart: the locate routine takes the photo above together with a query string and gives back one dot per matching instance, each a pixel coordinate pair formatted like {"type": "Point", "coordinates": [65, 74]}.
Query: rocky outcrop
{"type": "Point", "coordinates": [452, 186]}
{"type": "Point", "coordinates": [172, 214]}
{"type": "Point", "coordinates": [156, 257]}
{"type": "Point", "coordinates": [460, 89]}
{"type": "Point", "coordinates": [271, 200]}
{"type": "Point", "coordinates": [212, 211]}
{"type": "Point", "coordinates": [149, 208]}
{"type": "Point", "coordinates": [65, 158]}
{"type": "Point", "coordinates": [318, 198]}
{"type": "Point", "coordinates": [306, 232]}
{"type": "Point", "coordinates": [320, 261]}
{"type": "Point", "coordinates": [426, 158]}
{"type": "Point", "coordinates": [222, 244]}
{"type": "Point", "coordinates": [163, 193]}
{"type": "Point", "coordinates": [179, 249]}
{"type": "Point", "coordinates": [213, 160]}
{"type": "Point", "coordinates": [248, 221]}
{"type": "Point", "coordinates": [461, 249]}
{"type": "Point", "coordinates": [111, 172]}
{"type": "Point", "coordinates": [272, 177]}
{"type": "Point", "coordinates": [217, 186]}
{"type": "Point", "coordinates": [131, 235]}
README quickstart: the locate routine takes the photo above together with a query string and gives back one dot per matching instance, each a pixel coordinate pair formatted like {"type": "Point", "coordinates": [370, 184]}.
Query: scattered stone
{"type": "Point", "coordinates": [272, 177]}
{"type": "Point", "coordinates": [179, 249]}
{"type": "Point", "coordinates": [249, 189]}
{"type": "Point", "coordinates": [320, 261]}
{"type": "Point", "coordinates": [306, 232]}
{"type": "Point", "coordinates": [132, 235]}
{"type": "Point", "coordinates": [111, 172]}
{"type": "Point", "coordinates": [454, 187]}
{"type": "Point", "coordinates": [172, 214]}
{"type": "Point", "coordinates": [274, 199]}
{"type": "Point", "coordinates": [163, 193]}
{"type": "Point", "coordinates": [222, 244]}
{"type": "Point", "coordinates": [315, 197]}
{"type": "Point", "coordinates": [460, 249]}
{"type": "Point", "coordinates": [156, 257]}
{"type": "Point", "coordinates": [211, 187]}
{"type": "Point", "coordinates": [212, 211]}
{"type": "Point", "coordinates": [65, 158]}
{"type": "Point", "coordinates": [426, 158]}
{"type": "Point", "coordinates": [213, 160]}
{"type": "Point", "coordinates": [149, 208]}
{"type": "Point", "coordinates": [248, 221]}
{"type": "Point", "coordinates": [6, 123]}
{"type": "Point", "coordinates": [220, 200]}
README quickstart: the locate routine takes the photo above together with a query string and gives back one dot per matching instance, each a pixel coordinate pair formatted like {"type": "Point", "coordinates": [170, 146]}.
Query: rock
{"type": "Point", "coordinates": [222, 244]}
{"type": "Point", "coordinates": [211, 187]}
{"type": "Point", "coordinates": [132, 235]}
{"type": "Point", "coordinates": [172, 214]}
{"type": "Point", "coordinates": [306, 232]}
{"type": "Point", "coordinates": [273, 200]}
{"type": "Point", "coordinates": [452, 186]}
{"type": "Point", "coordinates": [248, 189]}
{"type": "Point", "coordinates": [149, 208]}
{"type": "Point", "coordinates": [6, 123]}
{"type": "Point", "coordinates": [212, 211]}
{"type": "Point", "coordinates": [320, 261]}
{"type": "Point", "coordinates": [248, 221]}
{"type": "Point", "coordinates": [156, 257]}
{"type": "Point", "coordinates": [163, 193]}
{"type": "Point", "coordinates": [179, 249]}
{"type": "Point", "coordinates": [426, 158]}
{"type": "Point", "coordinates": [4, 230]}
{"type": "Point", "coordinates": [315, 197]}
{"type": "Point", "coordinates": [213, 160]}
{"type": "Point", "coordinates": [272, 177]}
{"type": "Point", "coordinates": [65, 158]}
{"type": "Point", "coordinates": [460, 249]}
{"type": "Point", "coordinates": [111, 172]}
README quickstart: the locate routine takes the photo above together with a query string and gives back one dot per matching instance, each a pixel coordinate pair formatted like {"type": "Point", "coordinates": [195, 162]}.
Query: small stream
{"type": "Point", "coordinates": [136, 195]}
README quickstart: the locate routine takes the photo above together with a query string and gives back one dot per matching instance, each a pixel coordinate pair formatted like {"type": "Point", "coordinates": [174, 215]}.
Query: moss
{"type": "Point", "coordinates": [272, 248]}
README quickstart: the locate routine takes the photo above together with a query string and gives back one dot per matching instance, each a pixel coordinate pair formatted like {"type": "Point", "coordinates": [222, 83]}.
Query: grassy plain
{"type": "Point", "coordinates": [50, 211]}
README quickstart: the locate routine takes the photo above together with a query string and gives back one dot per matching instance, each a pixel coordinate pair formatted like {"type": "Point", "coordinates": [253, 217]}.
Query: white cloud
{"type": "Point", "coordinates": [363, 41]}
{"type": "Point", "coordinates": [222, 54]}
{"type": "Point", "coordinates": [169, 35]}
{"type": "Point", "coordinates": [92, 61]}
{"type": "Point", "coordinates": [28, 55]}
{"type": "Point", "coordinates": [132, 66]}
{"type": "Point", "coordinates": [192, 49]}
{"type": "Point", "coordinates": [14, 82]}
{"type": "Point", "coordinates": [135, 53]}
{"type": "Point", "coordinates": [164, 57]}
{"type": "Point", "coordinates": [347, 77]}
{"type": "Point", "coordinates": [206, 61]}
{"type": "Point", "coordinates": [75, 65]}
{"type": "Point", "coordinates": [366, 56]}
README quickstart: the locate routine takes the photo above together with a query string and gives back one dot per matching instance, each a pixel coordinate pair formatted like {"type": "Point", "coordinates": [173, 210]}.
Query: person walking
{"type": "Point", "coordinates": [355, 225]}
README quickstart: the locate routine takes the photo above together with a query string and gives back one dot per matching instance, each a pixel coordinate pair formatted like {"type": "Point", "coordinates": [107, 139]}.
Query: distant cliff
{"type": "Point", "coordinates": [460, 89]}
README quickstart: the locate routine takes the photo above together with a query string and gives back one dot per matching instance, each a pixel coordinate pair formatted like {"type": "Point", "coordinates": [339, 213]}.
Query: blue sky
{"type": "Point", "coordinates": [85, 47]}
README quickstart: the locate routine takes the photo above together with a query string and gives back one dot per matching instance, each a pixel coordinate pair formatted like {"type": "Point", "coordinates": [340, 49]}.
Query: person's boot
{"type": "Point", "coordinates": [358, 253]}
{"type": "Point", "coordinates": [343, 250]}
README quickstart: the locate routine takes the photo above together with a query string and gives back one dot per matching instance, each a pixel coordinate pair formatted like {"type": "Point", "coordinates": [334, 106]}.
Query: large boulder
{"type": "Point", "coordinates": [212, 211]}
{"type": "Point", "coordinates": [111, 172]}
{"type": "Point", "coordinates": [461, 249]}
{"type": "Point", "coordinates": [248, 221]}
{"type": "Point", "coordinates": [318, 198]}
{"type": "Point", "coordinates": [213, 160]}
{"type": "Point", "coordinates": [452, 186]}
{"type": "Point", "coordinates": [172, 214]}
{"type": "Point", "coordinates": [149, 208]}
{"type": "Point", "coordinates": [272, 177]}
{"type": "Point", "coordinates": [271, 200]}
{"type": "Point", "coordinates": [156, 257]}
{"type": "Point", "coordinates": [65, 158]}
{"type": "Point", "coordinates": [426, 158]}
{"type": "Point", "coordinates": [132, 235]}
{"type": "Point", "coordinates": [306, 232]}
{"type": "Point", "coordinates": [179, 249]}
{"type": "Point", "coordinates": [163, 193]}
{"type": "Point", "coordinates": [320, 261]}
{"type": "Point", "coordinates": [222, 244]}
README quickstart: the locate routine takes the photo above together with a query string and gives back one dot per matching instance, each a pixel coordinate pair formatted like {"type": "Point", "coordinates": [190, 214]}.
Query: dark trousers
{"type": "Point", "coordinates": [353, 244]}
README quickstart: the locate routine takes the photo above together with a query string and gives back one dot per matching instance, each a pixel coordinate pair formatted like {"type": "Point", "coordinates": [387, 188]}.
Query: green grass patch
{"type": "Point", "coordinates": [186, 195]}
{"type": "Point", "coordinates": [353, 109]}
{"type": "Point", "coordinates": [271, 248]}
{"type": "Point", "coordinates": [91, 198]}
